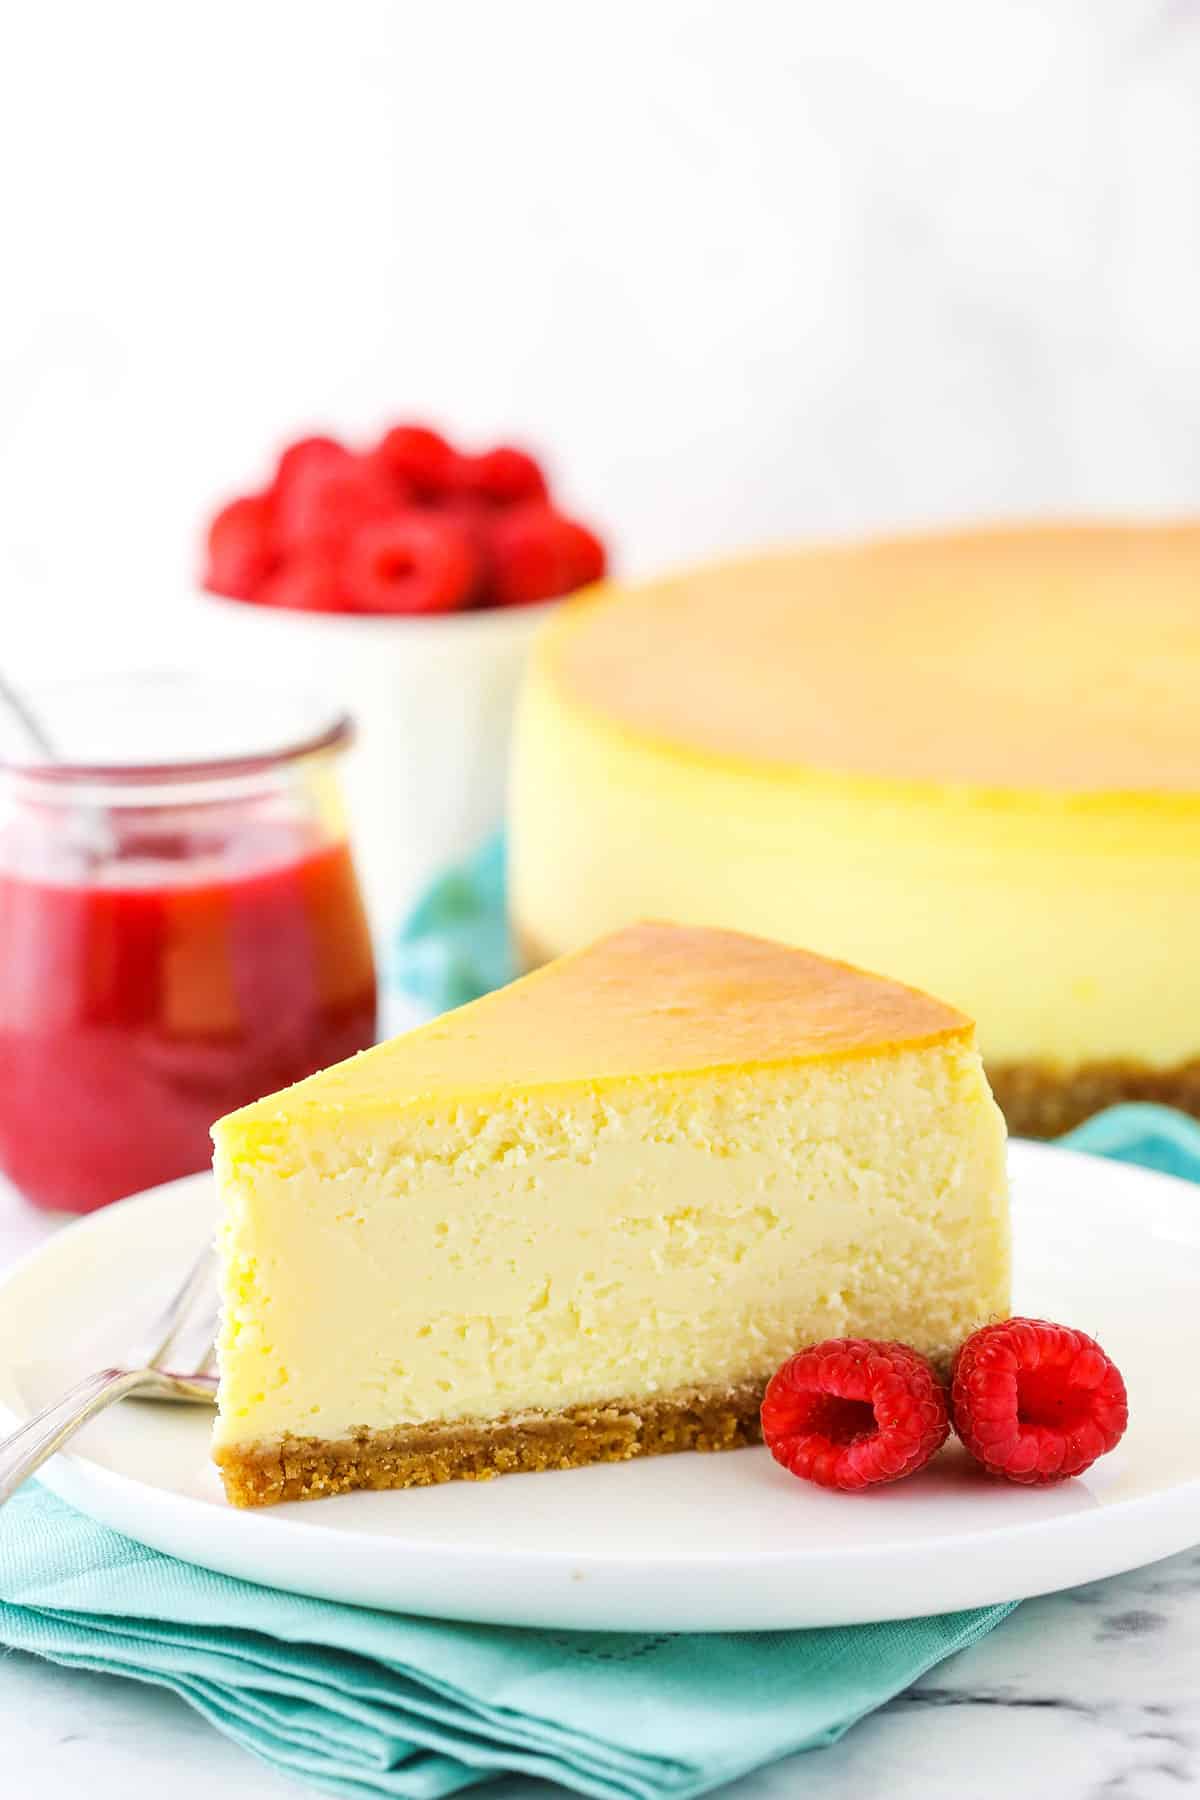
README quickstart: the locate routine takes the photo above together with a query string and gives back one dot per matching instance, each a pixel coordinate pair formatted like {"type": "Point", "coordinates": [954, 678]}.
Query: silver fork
{"type": "Point", "coordinates": [178, 1362]}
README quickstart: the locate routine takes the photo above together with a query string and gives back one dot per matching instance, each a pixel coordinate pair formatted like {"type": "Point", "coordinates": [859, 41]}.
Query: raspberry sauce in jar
{"type": "Point", "coordinates": [181, 929]}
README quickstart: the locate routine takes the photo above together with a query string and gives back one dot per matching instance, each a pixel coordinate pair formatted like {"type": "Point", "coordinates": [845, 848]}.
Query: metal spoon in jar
{"type": "Point", "coordinates": [94, 836]}
{"type": "Point", "coordinates": [27, 721]}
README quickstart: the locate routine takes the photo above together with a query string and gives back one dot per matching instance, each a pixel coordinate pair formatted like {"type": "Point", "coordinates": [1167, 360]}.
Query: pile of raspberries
{"type": "Point", "coordinates": [411, 525]}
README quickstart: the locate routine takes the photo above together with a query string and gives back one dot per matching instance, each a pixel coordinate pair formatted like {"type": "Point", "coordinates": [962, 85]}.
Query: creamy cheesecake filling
{"type": "Point", "coordinates": [1062, 923]}
{"type": "Point", "coordinates": [468, 1260]}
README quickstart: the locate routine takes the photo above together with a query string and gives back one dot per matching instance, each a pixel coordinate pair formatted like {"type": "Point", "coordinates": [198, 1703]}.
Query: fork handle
{"type": "Point", "coordinates": [32, 1443]}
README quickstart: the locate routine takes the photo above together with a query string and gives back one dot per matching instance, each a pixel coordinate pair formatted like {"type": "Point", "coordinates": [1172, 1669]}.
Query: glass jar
{"type": "Point", "coordinates": [181, 929]}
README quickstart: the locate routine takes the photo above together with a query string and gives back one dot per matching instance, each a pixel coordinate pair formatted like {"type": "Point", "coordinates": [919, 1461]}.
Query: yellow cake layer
{"type": "Point", "coordinates": [659, 1165]}
{"type": "Point", "coordinates": [972, 760]}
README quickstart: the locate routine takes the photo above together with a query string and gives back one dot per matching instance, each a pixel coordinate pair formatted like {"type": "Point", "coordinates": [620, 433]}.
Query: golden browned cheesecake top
{"type": "Point", "coordinates": [648, 1001]}
{"type": "Point", "coordinates": [1064, 658]}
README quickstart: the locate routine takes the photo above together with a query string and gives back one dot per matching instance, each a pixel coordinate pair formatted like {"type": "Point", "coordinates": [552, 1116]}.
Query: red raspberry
{"type": "Point", "coordinates": [242, 551]}
{"type": "Point", "coordinates": [502, 477]}
{"type": "Point", "coordinates": [851, 1412]}
{"type": "Point", "coordinates": [328, 501]}
{"type": "Point", "coordinates": [413, 563]}
{"type": "Point", "coordinates": [307, 585]}
{"type": "Point", "coordinates": [419, 463]}
{"type": "Point", "coordinates": [538, 554]}
{"type": "Point", "coordinates": [475, 523]}
{"type": "Point", "coordinates": [306, 454]}
{"type": "Point", "coordinates": [1036, 1402]}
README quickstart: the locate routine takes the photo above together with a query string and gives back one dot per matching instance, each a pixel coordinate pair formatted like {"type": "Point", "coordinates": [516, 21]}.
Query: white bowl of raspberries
{"type": "Point", "coordinates": [406, 580]}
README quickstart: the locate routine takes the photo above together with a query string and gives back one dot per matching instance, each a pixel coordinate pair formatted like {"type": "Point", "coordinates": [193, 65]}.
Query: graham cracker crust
{"type": "Point", "coordinates": [424, 1455]}
{"type": "Point", "coordinates": [1041, 1101]}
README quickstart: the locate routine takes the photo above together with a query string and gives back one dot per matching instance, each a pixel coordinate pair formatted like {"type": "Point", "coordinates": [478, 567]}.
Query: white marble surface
{"type": "Point", "coordinates": [1089, 1695]}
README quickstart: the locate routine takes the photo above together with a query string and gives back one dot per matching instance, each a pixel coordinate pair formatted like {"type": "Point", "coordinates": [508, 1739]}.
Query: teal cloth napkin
{"type": "Point", "coordinates": [454, 945]}
{"type": "Point", "coordinates": [363, 1703]}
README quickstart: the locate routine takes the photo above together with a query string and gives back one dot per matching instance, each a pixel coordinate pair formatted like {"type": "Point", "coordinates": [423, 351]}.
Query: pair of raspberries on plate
{"type": "Point", "coordinates": [1033, 1402]}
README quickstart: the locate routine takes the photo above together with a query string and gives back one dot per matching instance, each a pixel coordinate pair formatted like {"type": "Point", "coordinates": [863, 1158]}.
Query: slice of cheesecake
{"type": "Point", "coordinates": [585, 1218]}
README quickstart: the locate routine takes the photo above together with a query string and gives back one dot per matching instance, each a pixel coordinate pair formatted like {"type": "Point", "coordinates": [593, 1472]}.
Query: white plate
{"type": "Point", "coordinates": [677, 1543]}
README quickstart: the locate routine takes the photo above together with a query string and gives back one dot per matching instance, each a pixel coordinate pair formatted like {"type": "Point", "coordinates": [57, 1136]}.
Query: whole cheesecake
{"type": "Point", "coordinates": [972, 760]}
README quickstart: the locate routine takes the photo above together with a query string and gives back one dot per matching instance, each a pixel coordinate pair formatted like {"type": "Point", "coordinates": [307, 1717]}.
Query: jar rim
{"type": "Point", "coordinates": [306, 727]}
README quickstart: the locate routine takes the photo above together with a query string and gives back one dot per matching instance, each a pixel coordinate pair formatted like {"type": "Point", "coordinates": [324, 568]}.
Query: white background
{"type": "Point", "coordinates": [746, 268]}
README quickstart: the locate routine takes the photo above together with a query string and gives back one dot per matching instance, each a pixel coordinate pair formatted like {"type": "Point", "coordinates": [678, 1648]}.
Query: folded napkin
{"type": "Point", "coordinates": [363, 1703]}
{"type": "Point", "coordinates": [367, 1703]}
